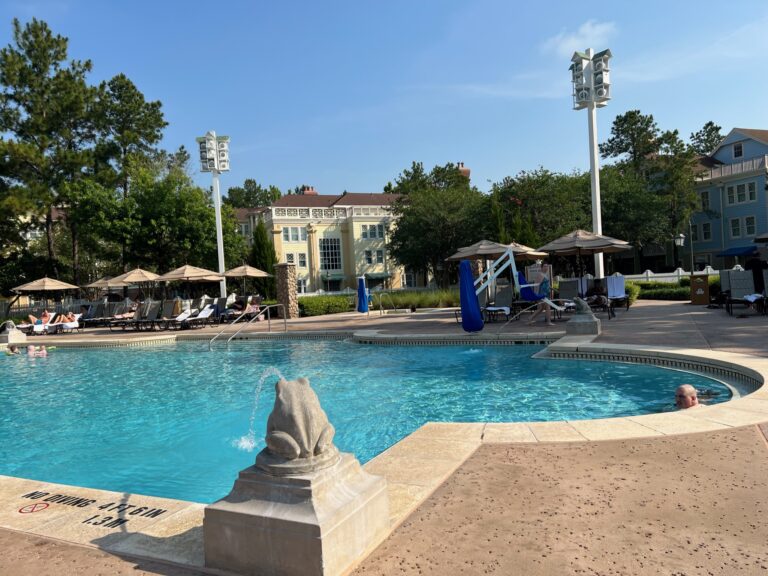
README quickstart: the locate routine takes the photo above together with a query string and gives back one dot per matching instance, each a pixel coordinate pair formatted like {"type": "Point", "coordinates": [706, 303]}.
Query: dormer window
{"type": "Point", "coordinates": [738, 150]}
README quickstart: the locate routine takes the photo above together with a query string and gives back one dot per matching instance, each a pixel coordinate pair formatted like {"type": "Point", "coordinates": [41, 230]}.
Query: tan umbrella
{"type": "Point", "coordinates": [136, 276]}
{"type": "Point", "coordinates": [44, 284]}
{"type": "Point", "coordinates": [105, 283]}
{"type": "Point", "coordinates": [190, 273]}
{"type": "Point", "coordinates": [489, 250]}
{"type": "Point", "coordinates": [582, 242]}
{"type": "Point", "coordinates": [246, 271]}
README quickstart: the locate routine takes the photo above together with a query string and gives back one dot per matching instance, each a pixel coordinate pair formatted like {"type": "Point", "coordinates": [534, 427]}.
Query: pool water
{"type": "Point", "coordinates": [175, 420]}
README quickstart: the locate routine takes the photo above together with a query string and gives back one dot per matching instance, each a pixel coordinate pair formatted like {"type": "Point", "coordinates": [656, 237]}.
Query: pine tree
{"type": "Point", "coordinates": [263, 257]}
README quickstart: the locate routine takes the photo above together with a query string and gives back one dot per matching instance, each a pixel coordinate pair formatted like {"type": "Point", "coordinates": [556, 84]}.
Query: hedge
{"type": "Point", "coordinates": [669, 293]}
{"type": "Point", "coordinates": [320, 305]}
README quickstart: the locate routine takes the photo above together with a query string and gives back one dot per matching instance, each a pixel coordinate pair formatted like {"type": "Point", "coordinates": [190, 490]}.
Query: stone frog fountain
{"type": "Point", "coordinates": [299, 436]}
{"type": "Point", "coordinates": [303, 508]}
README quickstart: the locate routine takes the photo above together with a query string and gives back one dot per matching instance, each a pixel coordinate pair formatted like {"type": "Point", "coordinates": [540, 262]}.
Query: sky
{"type": "Point", "coordinates": [345, 95]}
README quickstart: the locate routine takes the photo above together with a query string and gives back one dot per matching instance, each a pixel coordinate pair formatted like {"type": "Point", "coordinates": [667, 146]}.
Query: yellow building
{"type": "Point", "coordinates": [334, 239]}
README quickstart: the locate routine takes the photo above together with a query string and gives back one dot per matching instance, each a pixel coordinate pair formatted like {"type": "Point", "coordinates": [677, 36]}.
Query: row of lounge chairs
{"type": "Point", "coordinates": [507, 304]}
{"type": "Point", "coordinates": [57, 324]}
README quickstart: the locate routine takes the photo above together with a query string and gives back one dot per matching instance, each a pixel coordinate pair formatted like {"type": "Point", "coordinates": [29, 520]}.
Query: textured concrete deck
{"type": "Point", "coordinates": [420, 464]}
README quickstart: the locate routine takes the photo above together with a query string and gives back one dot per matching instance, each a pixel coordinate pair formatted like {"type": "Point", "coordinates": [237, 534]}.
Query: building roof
{"type": "Point", "coordinates": [243, 213]}
{"type": "Point", "coordinates": [759, 135]}
{"type": "Point", "coordinates": [365, 199]}
{"type": "Point", "coordinates": [305, 201]}
{"type": "Point", "coordinates": [328, 200]}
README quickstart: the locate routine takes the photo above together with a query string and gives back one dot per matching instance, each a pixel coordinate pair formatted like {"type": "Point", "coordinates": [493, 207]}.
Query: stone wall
{"type": "Point", "coordinates": [286, 289]}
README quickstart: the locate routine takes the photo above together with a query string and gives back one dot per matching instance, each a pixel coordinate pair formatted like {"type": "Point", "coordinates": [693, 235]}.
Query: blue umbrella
{"type": "Point", "coordinates": [362, 295]}
{"type": "Point", "coordinates": [471, 316]}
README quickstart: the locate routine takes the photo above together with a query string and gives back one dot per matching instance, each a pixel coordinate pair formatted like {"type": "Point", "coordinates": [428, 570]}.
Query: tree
{"type": "Point", "coordinates": [634, 137]}
{"type": "Point", "coordinates": [707, 139]}
{"type": "Point", "coordinates": [251, 195]}
{"type": "Point", "coordinates": [45, 109]}
{"type": "Point", "coordinates": [263, 257]}
{"type": "Point", "coordinates": [435, 215]}
{"type": "Point", "coordinates": [523, 206]}
{"type": "Point", "coordinates": [127, 124]}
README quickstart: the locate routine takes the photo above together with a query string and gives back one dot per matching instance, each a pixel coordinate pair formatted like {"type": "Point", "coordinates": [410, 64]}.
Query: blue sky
{"type": "Point", "coordinates": [344, 95]}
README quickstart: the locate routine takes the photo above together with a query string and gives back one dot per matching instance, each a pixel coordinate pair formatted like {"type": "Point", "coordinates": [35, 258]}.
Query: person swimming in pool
{"type": "Point", "coordinates": [686, 396]}
{"type": "Point", "coordinates": [13, 350]}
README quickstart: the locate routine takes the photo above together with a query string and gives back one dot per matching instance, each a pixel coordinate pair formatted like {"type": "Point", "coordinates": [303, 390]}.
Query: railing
{"type": "Point", "coordinates": [267, 309]}
{"type": "Point", "coordinates": [381, 305]}
{"type": "Point", "coordinates": [750, 165]}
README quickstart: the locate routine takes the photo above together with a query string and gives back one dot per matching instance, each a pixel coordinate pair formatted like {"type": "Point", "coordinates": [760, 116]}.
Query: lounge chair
{"type": "Point", "coordinates": [132, 320]}
{"type": "Point", "coordinates": [502, 304]}
{"type": "Point", "coordinates": [64, 327]}
{"type": "Point", "coordinates": [206, 316]}
{"type": "Point", "coordinates": [531, 297]}
{"type": "Point", "coordinates": [178, 322]}
{"type": "Point", "coordinates": [617, 291]}
{"type": "Point", "coordinates": [742, 291]}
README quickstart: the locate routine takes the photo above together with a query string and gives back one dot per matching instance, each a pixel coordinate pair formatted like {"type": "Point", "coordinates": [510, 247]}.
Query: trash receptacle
{"type": "Point", "coordinates": [700, 289]}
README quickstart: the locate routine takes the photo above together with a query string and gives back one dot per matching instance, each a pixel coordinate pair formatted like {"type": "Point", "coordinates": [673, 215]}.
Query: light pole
{"type": "Point", "coordinates": [590, 76]}
{"type": "Point", "coordinates": [679, 241]}
{"type": "Point", "coordinates": [214, 158]}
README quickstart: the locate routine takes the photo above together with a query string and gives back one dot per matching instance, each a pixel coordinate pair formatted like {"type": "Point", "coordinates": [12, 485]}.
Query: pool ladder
{"type": "Point", "coordinates": [267, 310]}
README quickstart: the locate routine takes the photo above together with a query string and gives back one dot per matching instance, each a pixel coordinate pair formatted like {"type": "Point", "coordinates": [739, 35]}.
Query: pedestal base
{"type": "Point", "coordinates": [13, 337]}
{"type": "Point", "coordinates": [317, 524]}
{"type": "Point", "coordinates": [583, 324]}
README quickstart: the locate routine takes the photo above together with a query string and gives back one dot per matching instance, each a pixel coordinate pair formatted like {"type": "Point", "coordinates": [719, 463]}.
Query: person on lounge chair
{"type": "Point", "coordinates": [597, 296]}
{"type": "Point", "coordinates": [45, 317]}
{"type": "Point", "coordinates": [542, 281]}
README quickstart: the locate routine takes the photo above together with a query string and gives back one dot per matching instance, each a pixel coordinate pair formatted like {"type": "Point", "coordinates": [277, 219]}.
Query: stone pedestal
{"type": "Point", "coordinates": [314, 524]}
{"type": "Point", "coordinates": [13, 337]}
{"type": "Point", "coordinates": [286, 289]}
{"type": "Point", "coordinates": [583, 324]}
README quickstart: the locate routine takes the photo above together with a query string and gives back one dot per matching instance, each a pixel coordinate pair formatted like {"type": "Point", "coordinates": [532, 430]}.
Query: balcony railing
{"type": "Point", "coordinates": [751, 165]}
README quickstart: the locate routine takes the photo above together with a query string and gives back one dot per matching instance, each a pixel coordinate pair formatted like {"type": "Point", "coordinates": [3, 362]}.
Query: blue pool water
{"type": "Point", "coordinates": [174, 420]}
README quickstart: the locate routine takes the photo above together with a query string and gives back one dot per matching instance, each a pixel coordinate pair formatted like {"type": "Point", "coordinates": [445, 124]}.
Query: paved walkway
{"type": "Point", "coordinates": [680, 505]}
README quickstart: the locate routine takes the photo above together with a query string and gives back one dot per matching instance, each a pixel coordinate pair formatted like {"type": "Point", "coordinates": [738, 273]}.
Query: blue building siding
{"type": "Point", "coordinates": [738, 208]}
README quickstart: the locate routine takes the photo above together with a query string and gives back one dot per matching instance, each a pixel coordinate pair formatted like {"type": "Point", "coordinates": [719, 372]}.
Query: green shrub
{"type": "Point", "coordinates": [417, 298]}
{"type": "Point", "coordinates": [320, 305]}
{"type": "Point", "coordinates": [670, 293]}
{"type": "Point", "coordinates": [632, 290]}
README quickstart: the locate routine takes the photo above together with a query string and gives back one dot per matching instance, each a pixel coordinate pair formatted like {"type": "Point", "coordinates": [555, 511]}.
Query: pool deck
{"type": "Point", "coordinates": [492, 485]}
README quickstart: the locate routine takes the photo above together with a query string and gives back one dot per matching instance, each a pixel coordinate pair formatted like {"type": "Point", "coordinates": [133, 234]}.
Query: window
{"type": "Point", "coordinates": [289, 258]}
{"type": "Point", "coordinates": [379, 256]}
{"type": "Point", "coordinates": [245, 229]}
{"type": "Point", "coordinates": [705, 200]}
{"type": "Point", "coordinates": [368, 257]}
{"type": "Point", "coordinates": [740, 193]}
{"type": "Point", "coordinates": [302, 260]}
{"type": "Point", "coordinates": [364, 231]}
{"type": "Point", "coordinates": [294, 233]}
{"type": "Point", "coordinates": [706, 231]}
{"type": "Point", "coordinates": [749, 226]}
{"type": "Point", "coordinates": [694, 232]}
{"type": "Point", "coordinates": [330, 254]}
{"type": "Point", "coordinates": [738, 150]}
{"type": "Point", "coordinates": [301, 285]}
{"type": "Point", "coordinates": [380, 229]}
{"type": "Point", "coordinates": [735, 227]}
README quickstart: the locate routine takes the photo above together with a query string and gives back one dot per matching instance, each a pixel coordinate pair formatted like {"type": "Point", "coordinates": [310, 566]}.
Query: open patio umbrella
{"type": "Point", "coordinates": [246, 271]}
{"type": "Point", "coordinates": [44, 284]}
{"type": "Point", "coordinates": [489, 250]}
{"type": "Point", "coordinates": [581, 242]}
{"type": "Point", "coordinates": [136, 276]}
{"type": "Point", "coordinates": [190, 274]}
{"type": "Point", "coordinates": [106, 283]}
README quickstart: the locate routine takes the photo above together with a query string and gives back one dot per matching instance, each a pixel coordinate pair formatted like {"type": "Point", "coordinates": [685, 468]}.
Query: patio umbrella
{"type": "Point", "coordinates": [44, 284]}
{"type": "Point", "coordinates": [246, 271]}
{"type": "Point", "coordinates": [105, 283]}
{"type": "Point", "coordinates": [136, 276]}
{"type": "Point", "coordinates": [190, 273]}
{"type": "Point", "coordinates": [581, 242]}
{"type": "Point", "coordinates": [489, 250]}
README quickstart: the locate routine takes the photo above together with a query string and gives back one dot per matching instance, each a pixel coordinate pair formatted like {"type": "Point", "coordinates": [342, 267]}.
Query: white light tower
{"type": "Point", "coordinates": [214, 158]}
{"type": "Point", "coordinates": [591, 90]}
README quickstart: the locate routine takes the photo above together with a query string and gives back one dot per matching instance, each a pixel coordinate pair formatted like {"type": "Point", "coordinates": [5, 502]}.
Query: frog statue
{"type": "Point", "coordinates": [299, 437]}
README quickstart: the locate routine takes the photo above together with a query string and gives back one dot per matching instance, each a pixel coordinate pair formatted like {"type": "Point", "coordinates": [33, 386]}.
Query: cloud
{"type": "Point", "coordinates": [591, 34]}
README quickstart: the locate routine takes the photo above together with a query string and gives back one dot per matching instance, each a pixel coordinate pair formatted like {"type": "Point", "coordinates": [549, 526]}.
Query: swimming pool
{"type": "Point", "coordinates": [175, 420]}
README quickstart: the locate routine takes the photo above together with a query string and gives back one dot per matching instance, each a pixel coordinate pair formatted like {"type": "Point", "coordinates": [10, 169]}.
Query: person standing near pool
{"type": "Point", "coordinates": [686, 397]}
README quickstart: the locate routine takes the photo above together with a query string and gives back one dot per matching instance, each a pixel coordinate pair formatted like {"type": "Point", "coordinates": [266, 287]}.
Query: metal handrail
{"type": "Point", "coordinates": [381, 305]}
{"type": "Point", "coordinates": [266, 309]}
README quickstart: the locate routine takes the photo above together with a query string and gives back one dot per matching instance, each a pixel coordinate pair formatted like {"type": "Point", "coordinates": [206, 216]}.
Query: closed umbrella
{"type": "Point", "coordinates": [362, 296]}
